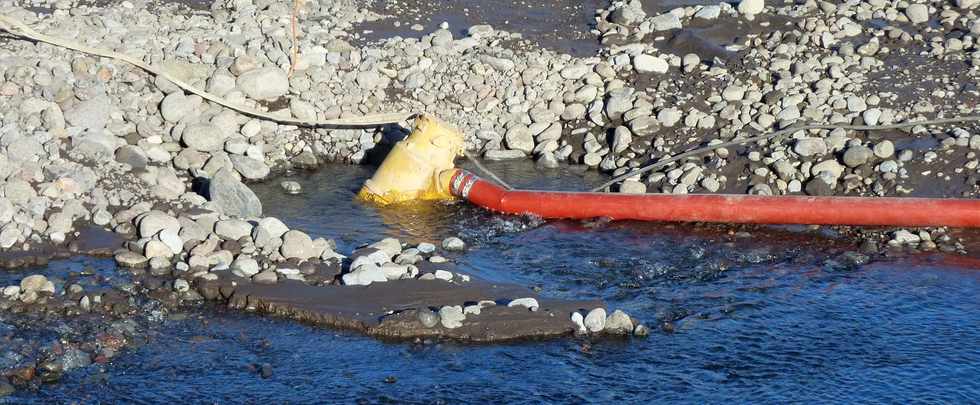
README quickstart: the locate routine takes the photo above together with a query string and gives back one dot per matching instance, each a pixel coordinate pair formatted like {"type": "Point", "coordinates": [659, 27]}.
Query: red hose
{"type": "Point", "coordinates": [722, 208]}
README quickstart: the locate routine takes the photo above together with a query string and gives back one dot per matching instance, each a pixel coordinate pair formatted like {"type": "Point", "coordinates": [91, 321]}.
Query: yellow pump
{"type": "Point", "coordinates": [418, 167]}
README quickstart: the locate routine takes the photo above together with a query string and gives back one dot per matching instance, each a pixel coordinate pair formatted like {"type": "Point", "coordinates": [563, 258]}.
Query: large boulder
{"type": "Point", "coordinates": [232, 196]}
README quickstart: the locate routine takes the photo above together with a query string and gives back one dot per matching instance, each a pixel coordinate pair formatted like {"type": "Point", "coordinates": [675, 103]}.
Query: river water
{"type": "Point", "coordinates": [764, 314]}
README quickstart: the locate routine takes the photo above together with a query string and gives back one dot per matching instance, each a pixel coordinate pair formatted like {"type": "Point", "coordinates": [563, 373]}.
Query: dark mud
{"type": "Point", "coordinates": [390, 310]}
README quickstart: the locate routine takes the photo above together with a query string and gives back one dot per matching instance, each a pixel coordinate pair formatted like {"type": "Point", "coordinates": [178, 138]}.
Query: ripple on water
{"type": "Point", "coordinates": [757, 317]}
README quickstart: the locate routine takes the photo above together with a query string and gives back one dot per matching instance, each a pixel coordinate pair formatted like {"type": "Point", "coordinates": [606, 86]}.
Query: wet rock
{"type": "Point", "coordinates": [233, 197]}
{"type": "Point", "coordinates": [529, 303]}
{"type": "Point", "coordinates": [641, 330]}
{"type": "Point", "coordinates": [6, 389]}
{"type": "Point", "coordinates": [428, 318]}
{"type": "Point", "coordinates": [579, 322]}
{"type": "Point", "coordinates": [451, 316]}
{"type": "Point", "coordinates": [131, 259]}
{"type": "Point", "coordinates": [453, 243]}
{"type": "Point", "coordinates": [291, 187]}
{"type": "Point", "coordinates": [36, 283]}
{"type": "Point", "coordinates": [264, 83]}
{"type": "Point", "coordinates": [266, 277]}
{"type": "Point", "coordinates": [619, 323]}
{"type": "Point", "coordinates": [595, 320]}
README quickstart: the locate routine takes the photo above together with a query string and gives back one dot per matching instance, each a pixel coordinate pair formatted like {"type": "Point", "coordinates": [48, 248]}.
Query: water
{"type": "Point", "coordinates": [768, 315]}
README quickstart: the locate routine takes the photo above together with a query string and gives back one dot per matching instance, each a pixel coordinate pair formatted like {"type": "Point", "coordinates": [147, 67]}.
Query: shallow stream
{"type": "Point", "coordinates": [751, 314]}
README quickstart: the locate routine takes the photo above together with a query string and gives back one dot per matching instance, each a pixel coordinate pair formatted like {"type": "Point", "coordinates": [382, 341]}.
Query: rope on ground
{"type": "Point", "coordinates": [685, 155]}
{"type": "Point", "coordinates": [19, 29]}
{"type": "Point", "coordinates": [486, 172]}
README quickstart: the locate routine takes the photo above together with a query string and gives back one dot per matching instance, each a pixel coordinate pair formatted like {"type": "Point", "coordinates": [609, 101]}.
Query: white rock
{"type": "Point", "coordinates": [644, 63]}
{"type": "Point", "coordinates": [529, 303]}
{"type": "Point", "coordinates": [751, 7]}
{"type": "Point", "coordinates": [595, 321]}
{"type": "Point", "coordinates": [917, 13]}
{"type": "Point", "coordinates": [451, 316]}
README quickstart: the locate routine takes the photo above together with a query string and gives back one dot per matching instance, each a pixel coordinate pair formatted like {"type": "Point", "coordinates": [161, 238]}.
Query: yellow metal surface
{"type": "Point", "coordinates": [413, 170]}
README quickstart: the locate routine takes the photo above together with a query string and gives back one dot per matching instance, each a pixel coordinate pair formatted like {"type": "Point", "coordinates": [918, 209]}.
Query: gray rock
{"type": "Point", "coordinates": [266, 277]}
{"type": "Point", "coordinates": [917, 13]}
{"type": "Point", "coordinates": [91, 114]}
{"type": "Point", "coordinates": [365, 275]}
{"type": "Point", "coordinates": [155, 221]}
{"type": "Point", "coordinates": [245, 267]}
{"type": "Point", "coordinates": [619, 323]}
{"type": "Point", "coordinates": [203, 137]}
{"type": "Point", "coordinates": [132, 156]}
{"type": "Point", "coordinates": [18, 191]}
{"type": "Point", "coordinates": [884, 149]}
{"type": "Point", "coordinates": [36, 283]}
{"type": "Point", "coordinates": [291, 187]}
{"type": "Point", "coordinates": [644, 63]}
{"type": "Point", "coordinates": [296, 244]}
{"type": "Point", "coordinates": [453, 243]}
{"type": "Point", "coordinates": [810, 147]}
{"type": "Point", "coordinates": [131, 259]}
{"type": "Point", "coordinates": [268, 233]}
{"type": "Point", "coordinates": [175, 106]}
{"type": "Point", "coordinates": [428, 318]}
{"type": "Point", "coordinates": [9, 236]}
{"type": "Point", "coordinates": [232, 229]}
{"type": "Point", "coordinates": [595, 321]}
{"type": "Point", "coordinates": [249, 168]}
{"type": "Point", "coordinates": [665, 22]}
{"type": "Point", "coordinates": [632, 187]}
{"type": "Point", "coordinates": [519, 138]}
{"type": "Point", "coordinates": [264, 83]}
{"type": "Point", "coordinates": [857, 155]}
{"type": "Point", "coordinates": [233, 197]}
{"type": "Point", "coordinates": [751, 7]}
{"type": "Point", "coordinates": [451, 316]}
{"type": "Point", "coordinates": [629, 14]}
